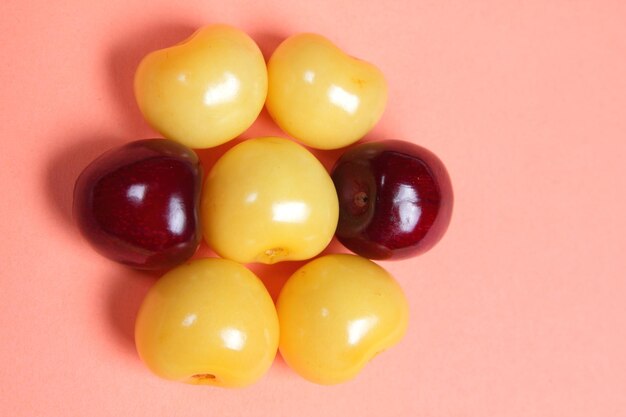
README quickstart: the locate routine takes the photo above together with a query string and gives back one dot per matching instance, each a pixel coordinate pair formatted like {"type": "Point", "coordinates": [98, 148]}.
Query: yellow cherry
{"type": "Point", "coordinates": [336, 313]}
{"type": "Point", "coordinates": [208, 322]}
{"type": "Point", "coordinates": [321, 96]}
{"type": "Point", "coordinates": [205, 90]}
{"type": "Point", "coordinates": [268, 200]}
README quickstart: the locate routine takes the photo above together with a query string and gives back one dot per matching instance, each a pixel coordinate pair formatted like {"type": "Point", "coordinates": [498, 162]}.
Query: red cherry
{"type": "Point", "coordinates": [138, 204]}
{"type": "Point", "coordinates": [395, 199]}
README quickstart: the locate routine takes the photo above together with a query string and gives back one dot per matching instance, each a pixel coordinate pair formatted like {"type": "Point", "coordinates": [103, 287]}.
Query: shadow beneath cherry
{"type": "Point", "coordinates": [208, 157]}
{"type": "Point", "coordinates": [274, 276]}
{"type": "Point", "coordinates": [334, 247]}
{"type": "Point", "coordinates": [328, 157]}
{"type": "Point", "coordinates": [280, 364]}
{"type": "Point", "coordinates": [125, 294]}
{"type": "Point", "coordinates": [268, 42]}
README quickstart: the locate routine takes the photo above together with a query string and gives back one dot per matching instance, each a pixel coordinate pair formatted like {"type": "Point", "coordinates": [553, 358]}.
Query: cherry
{"type": "Point", "coordinates": [138, 204]}
{"type": "Point", "coordinates": [395, 199]}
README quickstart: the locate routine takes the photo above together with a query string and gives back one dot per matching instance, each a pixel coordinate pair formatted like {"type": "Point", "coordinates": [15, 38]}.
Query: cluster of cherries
{"type": "Point", "coordinates": [211, 321]}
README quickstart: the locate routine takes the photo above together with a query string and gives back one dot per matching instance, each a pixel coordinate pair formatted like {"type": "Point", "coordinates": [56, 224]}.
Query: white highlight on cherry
{"type": "Point", "coordinates": [251, 198]}
{"type": "Point", "coordinates": [234, 339]}
{"type": "Point", "coordinates": [343, 99]}
{"type": "Point", "coordinates": [176, 215]}
{"type": "Point", "coordinates": [309, 77]}
{"type": "Point", "coordinates": [290, 212]}
{"type": "Point", "coordinates": [358, 328]}
{"type": "Point", "coordinates": [189, 319]}
{"type": "Point", "coordinates": [136, 192]}
{"type": "Point", "coordinates": [222, 92]}
{"type": "Point", "coordinates": [406, 200]}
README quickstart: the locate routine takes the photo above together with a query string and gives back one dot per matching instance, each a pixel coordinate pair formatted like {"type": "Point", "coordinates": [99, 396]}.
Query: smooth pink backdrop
{"type": "Point", "coordinates": [519, 311]}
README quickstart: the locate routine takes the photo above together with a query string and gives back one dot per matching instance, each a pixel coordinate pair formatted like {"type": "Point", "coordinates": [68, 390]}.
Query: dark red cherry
{"type": "Point", "coordinates": [395, 199]}
{"type": "Point", "coordinates": [138, 204]}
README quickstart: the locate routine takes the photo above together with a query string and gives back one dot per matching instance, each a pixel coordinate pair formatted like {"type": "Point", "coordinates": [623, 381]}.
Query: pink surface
{"type": "Point", "coordinates": [519, 311]}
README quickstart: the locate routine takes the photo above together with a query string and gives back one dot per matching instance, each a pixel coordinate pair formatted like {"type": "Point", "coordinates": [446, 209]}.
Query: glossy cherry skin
{"type": "Point", "coordinates": [395, 199]}
{"type": "Point", "coordinates": [322, 96]}
{"type": "Point", "coordinates": [138, 204]}
{"type": "Point", "coordinates": [336, 313]}
{"type": "Point", "coordinates": [268, 200]}
{"type": "Point", "coordinates": [208, 322]}
{"type": "Point", "coordinates": [204, 91]}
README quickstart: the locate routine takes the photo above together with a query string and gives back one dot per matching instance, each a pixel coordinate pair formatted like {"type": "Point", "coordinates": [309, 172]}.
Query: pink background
{"type": "Point", "coordinates": [519, 311]}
